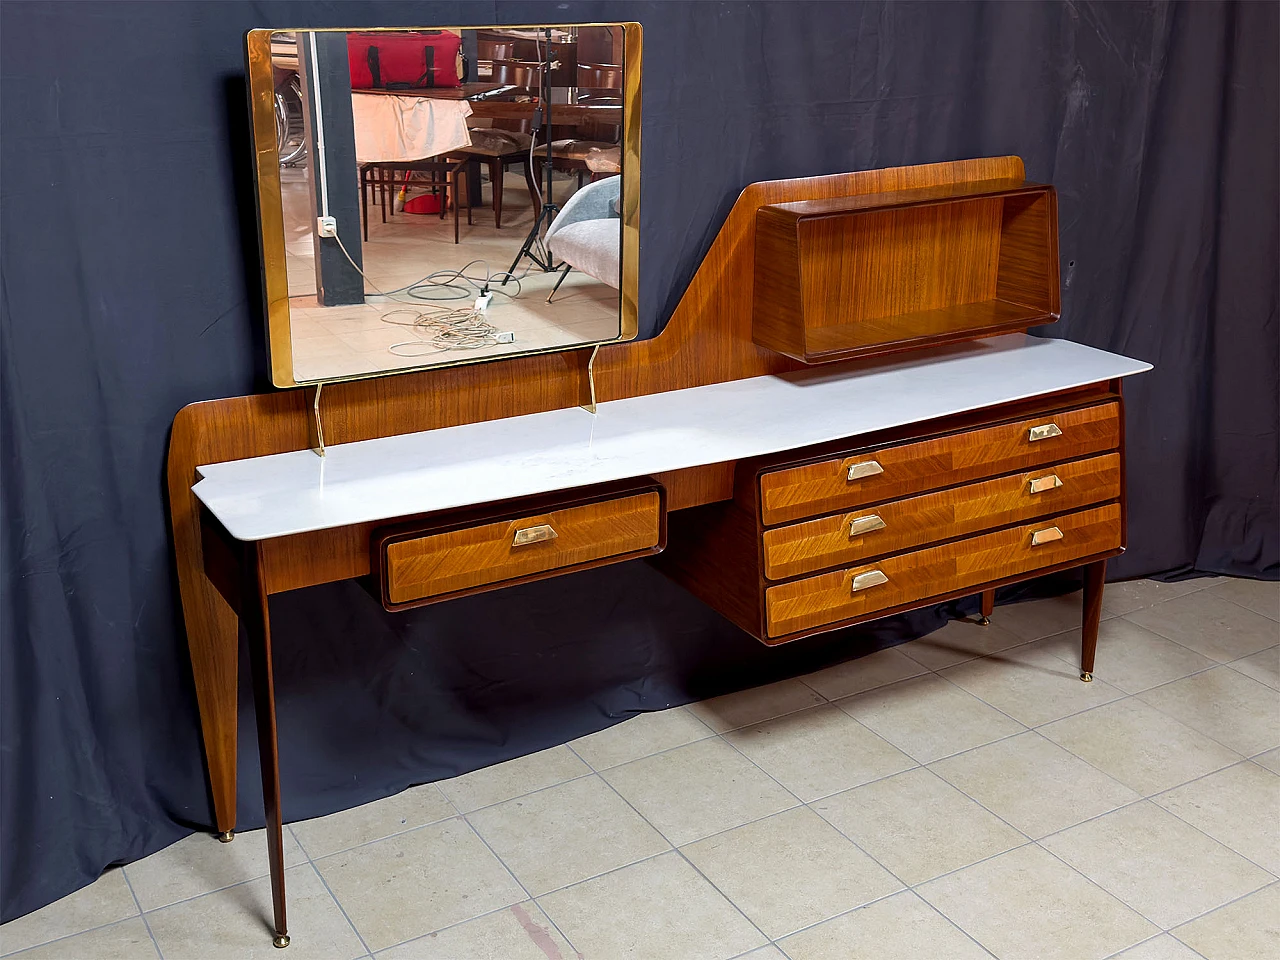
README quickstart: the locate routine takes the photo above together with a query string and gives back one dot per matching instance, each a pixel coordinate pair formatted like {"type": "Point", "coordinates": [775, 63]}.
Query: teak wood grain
{"type": "Point", "coordinates": [912, 577]}
{"type": "Point", "coordinates": [873, 274]}
{"type": "Point", "coordinates": [707, 340]}
{"type": "Point", "coordinates": [435, 565]}
{"type": "Point", "coordinates": [824, 486]}
{"type": "Point", "coordinates": [802, 548]}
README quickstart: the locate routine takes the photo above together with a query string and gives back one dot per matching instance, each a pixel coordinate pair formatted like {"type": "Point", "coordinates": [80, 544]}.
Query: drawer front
{"type": "Point", "coordinates": [801, 548]}
{"type": "Point", "coordinates": [794, 493]}
{"type": "Point", "coordinates": [442, 563]}
{"type": "Point", "coordinates": [934, 571]}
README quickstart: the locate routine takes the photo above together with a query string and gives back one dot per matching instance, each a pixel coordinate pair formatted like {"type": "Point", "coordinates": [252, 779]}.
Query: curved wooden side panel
{"type": "Point", "coordinates": [708, 340]}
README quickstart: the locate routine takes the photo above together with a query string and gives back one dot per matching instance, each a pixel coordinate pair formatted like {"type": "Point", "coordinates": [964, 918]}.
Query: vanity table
{"type": "Point", "coordinates": [794, 497]}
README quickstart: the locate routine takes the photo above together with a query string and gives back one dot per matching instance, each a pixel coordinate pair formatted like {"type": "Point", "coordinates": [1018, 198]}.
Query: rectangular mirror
{"type": "Point", "coordinates": [431, 196]}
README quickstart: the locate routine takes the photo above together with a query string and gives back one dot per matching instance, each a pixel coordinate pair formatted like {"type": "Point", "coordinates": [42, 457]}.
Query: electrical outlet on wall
{"type": "Point", "coordinates": [326, 226]}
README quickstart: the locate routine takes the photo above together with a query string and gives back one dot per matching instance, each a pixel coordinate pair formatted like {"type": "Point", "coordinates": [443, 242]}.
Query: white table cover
{"type": "Point", "coordinates": [391, 128]}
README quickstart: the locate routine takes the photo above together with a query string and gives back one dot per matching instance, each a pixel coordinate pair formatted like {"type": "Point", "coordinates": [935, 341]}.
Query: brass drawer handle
{"type": "Point", "coordinates": [1044, 432]}
{"type": "Point", "coordinates": [872, 578]}
{"type": "Point", "coordinates": [868, 468]}
{"type": "Point", "coordinates": [865, 524]}
{"type": "Point", "coordinates": [1047, 535]}
{"type": "Point", "coordinates": [1041, 484]}
{"type": "Point", "coordinates": [543, 531]}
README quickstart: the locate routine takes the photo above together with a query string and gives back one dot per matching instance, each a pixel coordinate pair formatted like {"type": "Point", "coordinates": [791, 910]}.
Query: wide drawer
{"type": "Point", "coordinates": [840, 483]}
{"type": "Point", "coordinates": [936, 571]}
{"type": "Point", "coordinates": [801, 548]}
{"type": "Point", "coordinates": [415, 568]}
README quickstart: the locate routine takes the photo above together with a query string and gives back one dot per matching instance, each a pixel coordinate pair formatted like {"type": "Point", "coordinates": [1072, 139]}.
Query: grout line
{"type": "Point", "coordinates": [141, 913]}
{"type": "Point", "coordinates": [1221, 906]}
{"type": "Point", "coordinates": [333, 896]}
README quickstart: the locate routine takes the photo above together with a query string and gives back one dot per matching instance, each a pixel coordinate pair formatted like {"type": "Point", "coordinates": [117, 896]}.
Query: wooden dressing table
{"type": "Point", "coordinates": [793, 499]}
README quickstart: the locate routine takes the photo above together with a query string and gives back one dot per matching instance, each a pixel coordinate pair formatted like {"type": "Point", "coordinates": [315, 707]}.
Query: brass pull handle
{"type": "Point", "coordinates": [867, 468]}
{"type": "Point", "coordinates": [1044, 432]}
{"type": "Point", "coordinates": [543, 531]}
{"type": "Point", "coordinates": [872, 578]}
{"type": "Point", "coordinates": [1041, 484]}
{"type": "Point", "coordinates": [1047, 535]}
{"type": "Point", "coordinates": [865, 524]}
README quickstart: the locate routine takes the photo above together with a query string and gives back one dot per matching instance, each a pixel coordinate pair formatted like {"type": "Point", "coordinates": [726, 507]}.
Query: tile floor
{"type": "Point", "coordinates": [963, 795]}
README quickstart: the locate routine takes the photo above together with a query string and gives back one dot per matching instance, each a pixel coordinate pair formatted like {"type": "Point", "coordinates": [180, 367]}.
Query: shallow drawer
{"type": "Point", "coordinates": [512, 549]}
{"type": "Point", "coordinates": [932, 517]}
{"type": "Point", "coordinates": [937, 571]}
{"type": "Point", "coordinates": [794, 493]}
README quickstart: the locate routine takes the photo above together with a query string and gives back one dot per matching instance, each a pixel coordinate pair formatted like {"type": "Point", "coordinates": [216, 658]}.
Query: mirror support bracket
{"type": "Point", "coordinates": [317, 427]}
{"type": "Point", "coordinates": [591, 381]}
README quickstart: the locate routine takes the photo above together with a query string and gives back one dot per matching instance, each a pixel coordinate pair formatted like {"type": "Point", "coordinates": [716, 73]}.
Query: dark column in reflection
{"type": "Point", "coordinates": [331, 143]}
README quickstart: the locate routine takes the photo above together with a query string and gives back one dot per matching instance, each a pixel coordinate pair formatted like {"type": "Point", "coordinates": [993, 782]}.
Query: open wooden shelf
{"type": "Point", "coordinates": [857, 276]}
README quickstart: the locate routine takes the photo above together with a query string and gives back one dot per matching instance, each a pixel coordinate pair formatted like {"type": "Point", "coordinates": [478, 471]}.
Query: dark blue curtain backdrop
{"type": "Point", "coordinates": [129, 283]}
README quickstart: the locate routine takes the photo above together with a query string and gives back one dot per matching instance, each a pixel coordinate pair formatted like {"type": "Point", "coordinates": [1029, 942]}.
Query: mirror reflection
{"type": "Point", "coordinates": [447, 195]}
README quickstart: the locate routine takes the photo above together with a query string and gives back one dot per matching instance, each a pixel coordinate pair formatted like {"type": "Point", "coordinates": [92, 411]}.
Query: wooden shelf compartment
{"type": "Point", "coordinates": [878, 273]}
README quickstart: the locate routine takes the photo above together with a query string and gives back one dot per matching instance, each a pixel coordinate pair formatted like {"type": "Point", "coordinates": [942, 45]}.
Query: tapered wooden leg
{"type": "Point", "coordinates": [1094, 576]}
{"type": "Point", "coordinates": [257, 626]}
{"type": "Point", "coordinates": [495, 182]}
{"type": "Point", "coordinates": [988, 606]}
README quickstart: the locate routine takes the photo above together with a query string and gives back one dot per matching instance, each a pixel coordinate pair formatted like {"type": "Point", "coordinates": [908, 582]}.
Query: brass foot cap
{"type": "Point", "coordinates": [226, 836]}
{"type": "Point", "coordinates": [1087, 677]}
{"type": "Point", "coordinates": [281, 940]}
{"type": "Point", "coordinates": [984, 622]}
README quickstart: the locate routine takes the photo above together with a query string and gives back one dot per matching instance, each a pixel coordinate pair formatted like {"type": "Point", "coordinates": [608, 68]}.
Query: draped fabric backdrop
{"type": "Point", "coordinates": [129, 272]}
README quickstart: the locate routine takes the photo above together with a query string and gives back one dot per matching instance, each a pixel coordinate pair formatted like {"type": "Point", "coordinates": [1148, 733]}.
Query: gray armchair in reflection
{"type": "Point", "coordinates": [587, 234]}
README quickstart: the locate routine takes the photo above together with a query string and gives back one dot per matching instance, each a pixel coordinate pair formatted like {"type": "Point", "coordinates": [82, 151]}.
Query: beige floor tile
{"type": "Point", "coordinates": [1131, 657]}
{"type": "Point", "coordinates": [415, 807]}
{"type": "Point", "coordinates": [901, 927]}
{"type": "Point", "coordinates": [1260, 596]}
{"type": "Point", "coordinates": [697, 790]}
{"type": "Point", "coordinates": [918, 825]}
{"type": "Point", "coordinates": [750, 706]}
{"type": "Point", "coordinates": [1163, 947]}
{"type": "Point", "coordinates": [1027, 904]}
{"type": "Point", "coordinates": [855, 676]}
{"type": "Point", "coordinates": [125, 940]}
{"type": "Point", "coordinates": [1165, 869]}
{"type": "Point", "coordinates": [819, 751]}
{"type": "Point", "coordinates": [104, 901]}
{"type": "Point", "coordinates": [236, 922]}
{"type": "Point", "coordinates": [958, 641]}
{"type": "Point", "coordinates": [929, 718]}
{"type": "Point", "coordinates": [1209, 624]}
{"type": "Point", "coordinates": [641, 736]}
{"type": "Point", "coordinates": [1222, 703]}
{"type": "Point", "coordinates": [1238, 806]}
{"type": "Point", "coordinates": [1030, 684]}
{"type": "Point", "coordinates": [1263, 666]}
{"type": "Point", "coordinates": [418, 882]}
{"type": "Point", "coordinates": [200, 864]}
{"type": "Point", "coordinates": [1121, 598]}
{"type": "Point", "coordinates": [1033, 784]}
{"type": "Point", "coordinates": [1248, 929]}
{"type": "Point", "coordinates": [565, 834]}
{"type": "Point", "coordinates": [518, 932]}
{"type": "Point", "coordinates": [1033, 619]}
{"type": "Point", "coordinates": [1270, 760]}
{"type": "Point", "coordinates": [789, 871]}
{"type": "Point", "coordinates": [1146, 750]}
{"type": "Point", "coordinates": [514, 778]}
{"type": "Point", "coordinates": [656, 910]}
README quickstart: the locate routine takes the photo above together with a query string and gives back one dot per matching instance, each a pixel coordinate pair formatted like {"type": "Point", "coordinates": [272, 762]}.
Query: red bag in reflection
{"type": "Point", "coordinates": [403, 61]}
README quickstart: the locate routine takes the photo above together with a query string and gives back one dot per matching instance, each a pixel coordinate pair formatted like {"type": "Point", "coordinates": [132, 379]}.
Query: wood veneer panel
{"type": "Point", "coordinates": [458, 560]}
{"type": "Point", "coordinates": [827, 598]}
{"type": "Point", "coordinates": [802, 548]}
{"type": "Point", "coordinates": [824, 487]}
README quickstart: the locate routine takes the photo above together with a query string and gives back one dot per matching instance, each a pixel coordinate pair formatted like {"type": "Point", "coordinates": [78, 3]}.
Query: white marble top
{"type": "Point", "coordinates": [373, 480]}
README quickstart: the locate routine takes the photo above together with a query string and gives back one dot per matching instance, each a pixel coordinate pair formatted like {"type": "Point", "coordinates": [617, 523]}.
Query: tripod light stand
{"type": "Point", "coordinates": [548, 209]}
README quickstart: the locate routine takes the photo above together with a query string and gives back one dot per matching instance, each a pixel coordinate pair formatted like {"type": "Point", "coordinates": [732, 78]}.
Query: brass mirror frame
{"type": "Point", "coordinates": [275, 283]}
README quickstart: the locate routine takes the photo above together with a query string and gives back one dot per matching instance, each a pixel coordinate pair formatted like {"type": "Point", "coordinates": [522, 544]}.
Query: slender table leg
{"type": "Point", "coordinates": [257, 624]}
{"type": "Point", "coordinates": [1094, 575]}
{"type": "Point", "coordinates": [988, 606]}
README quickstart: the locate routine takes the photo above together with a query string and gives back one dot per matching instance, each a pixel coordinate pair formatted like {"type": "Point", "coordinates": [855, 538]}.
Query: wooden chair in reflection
{"type": "Point", "coordinates": [589, 146]}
